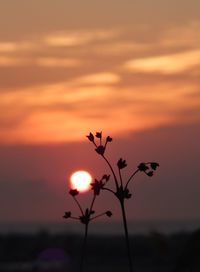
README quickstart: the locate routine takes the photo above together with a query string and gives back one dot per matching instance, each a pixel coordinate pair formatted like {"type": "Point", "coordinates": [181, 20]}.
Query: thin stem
{"type": "Point", "coordinates": [73, 217]}
{"type": "Point", "coordinates": [107, 189]}
{"type": "Point", "coordinates": [78, 205]}
{"type": "Point", "coordinates": [105, 144]}
{"type": "Point", "coordinates": [95, 144]}
{"type": "Point", "coordinates": [120, 176]}
{"type": "Point", "coordinates": [84, 247]}
{"type": "Point", "coordinates": [91, 206]}
{"type": "Point", "coordinates": [126, 236]}
{"type": "Point", "coordinates": [97, 216]}
{"type": "Point", "coordinates": [134, 173]}
{"type": "Point", "coordinates": [115, 178]}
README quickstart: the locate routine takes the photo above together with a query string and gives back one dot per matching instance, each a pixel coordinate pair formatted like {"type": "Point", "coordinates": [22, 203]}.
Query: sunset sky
{"type": "Point", "coordinates": [128, 68]}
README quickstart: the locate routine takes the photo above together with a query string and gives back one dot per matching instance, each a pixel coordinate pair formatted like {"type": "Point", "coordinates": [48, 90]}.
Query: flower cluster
{"type": "Point", "coordinates": [99, 147]}
{"type": "Point", "coordinates": [99, 185]}
{"type": "Point", "coordinates": [121, 190]}
{"type": "Point", "coordinates": [88, 215]}
{"type": "Point", "coordinates": [148, 168]}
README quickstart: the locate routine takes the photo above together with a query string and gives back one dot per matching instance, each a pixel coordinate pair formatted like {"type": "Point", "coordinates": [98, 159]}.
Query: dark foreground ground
{"type": "Point", "coordinates": [61, 252]}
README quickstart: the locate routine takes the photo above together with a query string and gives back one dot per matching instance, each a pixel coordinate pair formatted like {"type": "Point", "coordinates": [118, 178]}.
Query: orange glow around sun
{"type": "Point", "coordinates": [80, 180]}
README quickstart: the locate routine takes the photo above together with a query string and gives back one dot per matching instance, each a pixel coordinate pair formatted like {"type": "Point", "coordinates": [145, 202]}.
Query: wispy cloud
{"type": "Point", "coordinates": [121, 80]}
{"type": "Point", "coordinates": [12, 61]}
{"type": "Point", "coordinates": [57, 62]}
{"type": "Point", "coordinates": [99, 79]}
{"type": "Point", "coordinates": [165, 64]}
{"type": "Point", "coordinates": [75, 38]}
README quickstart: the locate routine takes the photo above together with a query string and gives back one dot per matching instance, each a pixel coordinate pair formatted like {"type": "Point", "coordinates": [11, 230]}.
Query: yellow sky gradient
{"type": "Point", "coordinates": [56, 85]}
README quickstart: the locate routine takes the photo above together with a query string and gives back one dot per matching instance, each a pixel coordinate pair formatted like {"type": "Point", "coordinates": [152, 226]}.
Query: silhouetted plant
{"type": "Point", "coordinates": [87, 215]}
{"type": "Point", "coordinates": [121, 190]}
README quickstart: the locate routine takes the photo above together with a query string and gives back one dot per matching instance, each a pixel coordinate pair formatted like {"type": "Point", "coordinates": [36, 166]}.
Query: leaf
{"type": "Point", "coordinates": [154, 165]}
{"type": "Point", "coordinates": [90, 137]}
{"type": "Point", "coordinates": [97, 186]}
{"type": "Point", "coordinates": [143, 167]}
{"type": "Point", "coordinates": [106, 177]}
{"type": "Point", "coordinates": [150, 173]}
{"type": "Point", "coordinates": [121, 163]}
{"type": "Point", "coordinates": [108, 213]}
{"type": "Point", "coordinates": [100, 149]}
{"type": "Point", "coordinates": [73, 192]}
{"type": "Point", "coordinates": [67, 215]}
{"type": "Point", "coordinates": [99, 135]}
{"type": "Point", "coordinates": [109, 139]}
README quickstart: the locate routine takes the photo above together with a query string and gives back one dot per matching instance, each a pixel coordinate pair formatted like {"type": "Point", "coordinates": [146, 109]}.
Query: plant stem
{"type": "Point", "coordinates": [78, 205]}
{"type": "Point", "coordinates": [126, 236]}
{"type": "Point", "coordinates": [84, 247]}
{"type": "Point", "coordinates": [115, 178]}
{"type": "Point", "coordinates": [134, 173]}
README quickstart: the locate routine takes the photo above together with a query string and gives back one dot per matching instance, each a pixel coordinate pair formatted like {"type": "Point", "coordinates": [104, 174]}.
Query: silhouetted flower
{"type": "Point", "coordinates": [99, 135]}
{"type": "Point", "coordinates": [97, 186]}
{"type": "Point", "coordinates": [108, 213]}
{"type": "Point", "coordinates": [109, 139]}
{"type": "Point", "coordinates": [100, 149]}
{"type": "Point", "coordinates": [154, 165]}
{"type": "Point", "coordinates": [127, 194]}
{"type": "Point", "coordinates": [90, 137]}
{"type": "Point", "coordinates": [143, 167]}
{"type": "Point", "coordinates": [73, 192]}
{"type": "Point", "coordinates": [121, 190]}
{"type": "Point", "coordinates": [123, 193]}
{"type": "Point", "coordinates": [150, 173]}
{"type": "Point", "coordinates": [67, 215]}
{"type": "Point", "coordinates": [86, 217]}
{"type": "Point", "coordinates": [121, 163]}
{"type": "Point", "coordinates": [106, 177]}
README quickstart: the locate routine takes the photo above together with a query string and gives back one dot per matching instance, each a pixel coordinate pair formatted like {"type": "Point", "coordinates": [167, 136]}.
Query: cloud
{"type": "Point", "coordinates": [77, 37]}
{"type": "Point", "coordinates": [63, 112]}
{"type": "Point", "coordinates": [165, 64]}
{"type": "Point", "coordinates": [51, 62]}
{"type": "Point", "coordinates": [99, 79]}
{"type": "Point", "coordinates": [183, 36]}
{"type": "Point", "coordinates": [12, 61]}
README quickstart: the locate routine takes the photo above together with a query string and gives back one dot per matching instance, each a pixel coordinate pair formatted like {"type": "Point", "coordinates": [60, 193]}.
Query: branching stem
{"type": "Point", "coordinates": [115, 178]}
{"type": "Point", "coordinates": [134, 173]}
{"type": "Point", "coordinates": [78, 205]}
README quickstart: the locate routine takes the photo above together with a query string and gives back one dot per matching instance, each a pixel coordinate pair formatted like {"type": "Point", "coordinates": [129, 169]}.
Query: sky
{"type": "Point", "coordinates": [128, 68]}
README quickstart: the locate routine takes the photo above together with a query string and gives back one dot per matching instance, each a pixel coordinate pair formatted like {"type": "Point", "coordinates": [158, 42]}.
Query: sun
{"type": "Point", "coordinates": [80, 180]}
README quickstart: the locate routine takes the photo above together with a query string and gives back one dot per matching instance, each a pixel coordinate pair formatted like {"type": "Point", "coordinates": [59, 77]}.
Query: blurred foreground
{"type": "Point", "coordinates": [154, 252]}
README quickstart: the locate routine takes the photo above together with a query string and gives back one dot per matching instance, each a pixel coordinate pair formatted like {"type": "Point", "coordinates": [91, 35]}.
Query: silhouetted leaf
{"type": "Point", "coordinates": [100, 149]}
{"type": "Point", "coordinates": [106, 177]}
{"type": "Point", "coordinates": [143, 167]}
{"type": "Point", "coordinates": [73, 192]}
{"type": "Point", "coordinates": [108, 213]}
{"type": "Point", "coordinates": [154, 165]}
{"type": "Point", "coordinates": [109, 139]}
{"type": "Point", "coordinates": [150, 173]}
{"type": "Point", "coordinates": [121, 163]}
{"type": "Point", "coordinates": [90, 137]}
{"type": "Point", "coordinates": [99, 135]}
{"type": "Point", "coordinates": [97, 186]}
{"type": "Point", "coordinates": [67, 215]}
{"type": "Point", "coordinates": [127, 194]}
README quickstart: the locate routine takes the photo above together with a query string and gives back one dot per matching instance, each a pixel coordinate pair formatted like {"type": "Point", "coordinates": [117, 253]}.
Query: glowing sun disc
{"type": "Point", "coordinates": [80, 180]}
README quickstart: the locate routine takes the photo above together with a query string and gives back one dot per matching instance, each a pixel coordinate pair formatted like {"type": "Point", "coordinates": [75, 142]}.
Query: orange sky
{"type": "Point", "coordinates": [75, 73]}
{"type": "Point", "coordinates": [128, 68]}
